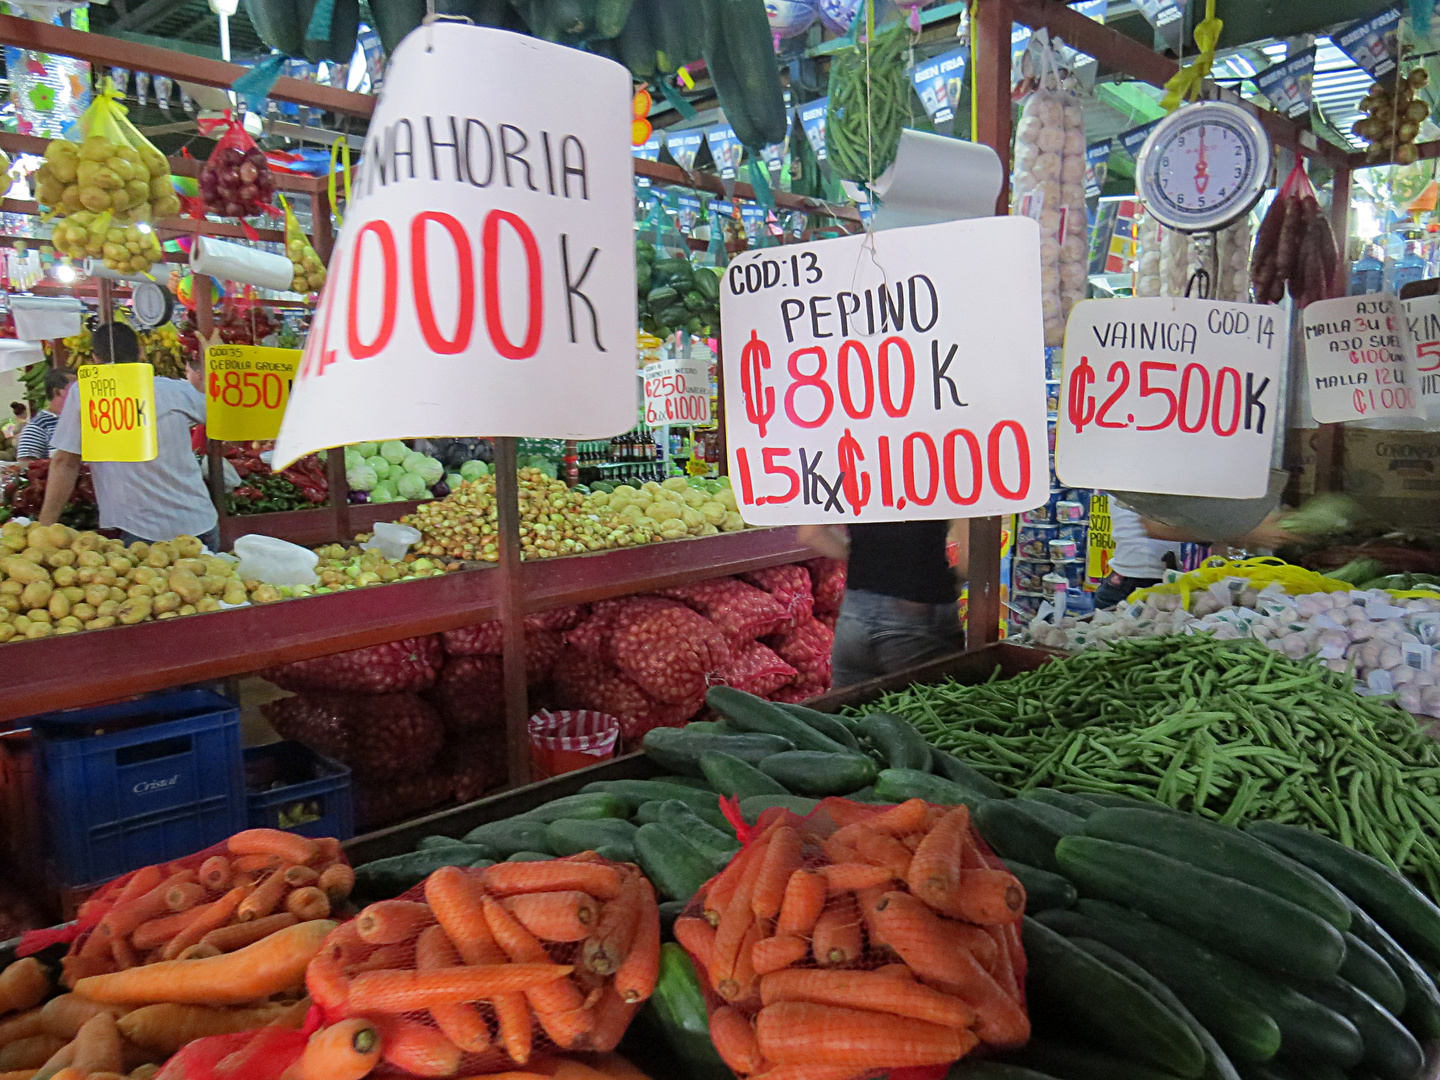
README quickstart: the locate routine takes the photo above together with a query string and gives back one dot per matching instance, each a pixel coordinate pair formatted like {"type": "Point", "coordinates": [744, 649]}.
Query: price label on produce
{"type": "Point", "coordinates": [246, 389]}
{"type": "Point", "coordinates": [117, 412]}
{"type": "Point", "coordinates": [677, 391]}
{"type": "Point", "coordinates": [1422, 318]}
{"type": "Point", "coordinates": [1359, 357]}
{"type": "Point", "coordinates": [887, 377]}
{"type": "Point", "coordinates": [1169, 395]}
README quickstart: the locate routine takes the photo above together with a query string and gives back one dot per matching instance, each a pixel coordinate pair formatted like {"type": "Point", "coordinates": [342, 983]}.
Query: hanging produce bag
{"type": "Point", "coordinates": [315, 29]}
{"type": "Point", "coordinates": [236, 180]}
{"type": "Point", "coordinates": [309, 270]}
{"type": "Point", "coordinates": [1294, 246]}
{"type": "Point", "coordinates": [868, 105]}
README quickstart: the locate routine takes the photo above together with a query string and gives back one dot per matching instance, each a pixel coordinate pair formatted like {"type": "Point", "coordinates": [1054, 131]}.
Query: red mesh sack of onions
{"type": "Point", "coordinates": [236, 180]}
{"type": "Point", "coordinates": [669, 650]}
{"type": "Point", "coordinates": [470, 693]}
{"type": "Point", "coordinates": [741, 611]}
{"type": "Point", "coordinates": [757, 670]}
{"type": "Point", "coordinates": [810, 641]}
{"type": "Point", "coordinates": [378, 735]}
{"type": "Point", "coordinates": [485, 639]}
{"type": "Point", "coordinates": [790, 587]}
{"type": "Point", "coordinates": [827, 582]}
{"type": "Point", "coordinates": [397, 667]}
{"type": "Point", "coordinates": [582, 682]}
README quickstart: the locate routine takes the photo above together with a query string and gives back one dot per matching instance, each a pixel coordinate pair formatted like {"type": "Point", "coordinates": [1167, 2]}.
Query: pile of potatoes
{"type": "Point", "coordinates": [54, 580]}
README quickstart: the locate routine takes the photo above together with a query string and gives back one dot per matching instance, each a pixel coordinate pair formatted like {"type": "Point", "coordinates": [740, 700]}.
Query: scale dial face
{"type": "Point", "coordinates": [1203, 166]}
{"type": "Point", "coordinates": [152, 304]}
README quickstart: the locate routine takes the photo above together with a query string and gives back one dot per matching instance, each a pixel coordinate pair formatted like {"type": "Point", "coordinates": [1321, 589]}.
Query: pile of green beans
{"type": "Point", "coordinates": [1226, 729]}
{"type": "Point", "coordinates": [867, 109]}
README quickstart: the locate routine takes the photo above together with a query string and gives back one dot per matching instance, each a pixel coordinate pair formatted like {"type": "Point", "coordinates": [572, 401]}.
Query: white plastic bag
{"type": "Point", "coordinates": [275, 561]}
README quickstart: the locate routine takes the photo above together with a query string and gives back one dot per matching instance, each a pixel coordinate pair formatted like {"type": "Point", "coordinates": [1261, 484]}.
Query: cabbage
{"type": "Point", "coordinates": [394, 451]}
{"type": "Point", "coordinates": [380, 465]}
{"type": "Point", "coordinates": [1327, 514]}
{"type": "Point", "coordinates": [427, 468]}
{"type": "Point", "coordinates": [367, 449]}
{"type": "Point", "coordinates": [353, 458]}
{"type": "Point", "coordinates": [411, 486]}
{"type": "Point", "coordinates": [473, 470]}
{"type": "Point", "coordinates": [454, 480]}
{"type": "Point", "coordinates": [384, 491]}
{"type": "Point", "coordinates": [360, 477]}
{"type": "Point", "coordinates": [409, 462]}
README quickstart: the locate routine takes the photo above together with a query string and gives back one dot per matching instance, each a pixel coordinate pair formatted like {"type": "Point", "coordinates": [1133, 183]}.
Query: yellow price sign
{"type": "Point", "coordinates": [117, 412]}
{"type": "Point", "coordinates": [246, 390]}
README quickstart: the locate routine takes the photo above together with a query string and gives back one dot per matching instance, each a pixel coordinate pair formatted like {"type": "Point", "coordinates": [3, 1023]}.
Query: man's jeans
{"type": "Point", "coordinates": [876, 635]}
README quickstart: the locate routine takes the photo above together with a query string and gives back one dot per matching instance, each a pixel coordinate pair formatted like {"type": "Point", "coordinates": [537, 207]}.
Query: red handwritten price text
{"type": "Point", "coordinates": [1193, 398]}
{"type": "Point", "coordinates": [1389, 399]}
{"type": "Point", "coordinates": [111, 414]}
{"type": "Point", "coordinates": [248, 390]}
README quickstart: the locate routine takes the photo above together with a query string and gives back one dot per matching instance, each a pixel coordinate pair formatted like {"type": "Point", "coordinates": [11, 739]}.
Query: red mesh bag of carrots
{"type": "Point", "coordinates": [860, 939]}
{"type": "Point", "coordinates": [478, 970]}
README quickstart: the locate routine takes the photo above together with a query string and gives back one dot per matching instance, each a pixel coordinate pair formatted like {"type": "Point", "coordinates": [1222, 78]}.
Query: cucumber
{"type": "Point", "coordinates": [676, 867]}
{"type": "Point", "coordinates": [1110, 1007]}
{"type": "Point", "coordinates": [671, 910]}
{"type": "Point", "coordinates": [509, 836]}
{"type": "Point", "coordinates": [751, 713]}
{"type": "Point", "coordinates": [1226, 914]}
{"type": "Point", "coordinates": [719, 847]}
{"type": "Point", "coordinates": [730, 776]}
{"type": "Point", "coordinates": [870, 795]}
{"type": "Point", "coordinates": [812, 772]}
{"type": "Point", "coordinates": [1422, 999]}
{"type": "Point", "coordinates": [1025, 831]}
{"type": "Point", "coordinates": [570, 836]}
{"type": "Point", "coordinates": [529, 856]}
{"type": "Point", "coordinates": [1242, 1027]}
{"type": "Point", "coordinates": [1366, 970]}
{"type": "Point", "coordinates": [965, 1069]}
{"type": "Point", "coordinates": [277, 22]}
{"type": "Point", "coordinates": [1075, 1062]}
{"type": "Point", "coordinates": [610, 16]}
{"type": "Point", "coordinates": [633, 793]}
{"type": "Point", "coordinates": [1078, 805]}
{"type": "Point", "coordinates": [1404, 911]}
{"type": "Point", "coordinates": [1225, 851]}
{"type": "Point", "coordinates": [1206, 980]}
{"type": "Point", "coordinates": [1278, 1070]}
{"type": "Point", "coordinates": [680, 749]}
{"type": "Point", "coordinates": [899, 743]}
{"type": "Point", "coordinates": [648, 812]}
{"type": "Point", "coordinates": [635, 45]}
{"type": "Point", "coordinates": [740, 57]}
{"type": "Point", "coordinates": [1391, 1052]}
{"type": "Point", "coordinates": [383, 879]}
{"type": "Point", "coordinates": [751, 808]}
{"type": "Point", "coordinates": [710, 726]}
{"type": "Point", "coordinates": [1044, 891]}
{"type": "Point", "coordinates": [616, 852]}
{"type": "Point", "coordinates": [1218, 1066]}
{"type": "Point", "coordinates": [832, 727]}
{"type": "Point", "coordinates": [901, 784]}
{"type": "Point", "coordinates": [699, 783]}
{"type": "Point", "coordinates": [429, 842]}
{"type": "Point", "coordinates": [1125, 801]}
{"type": "Point", "coordinates": [588, 806]}
{"type": "Point", "coordinates": [678, 1012]}
{"type": "Point", "coordinates": [949, 766]}
{"type": "Point", "coordinates": [679, 29]}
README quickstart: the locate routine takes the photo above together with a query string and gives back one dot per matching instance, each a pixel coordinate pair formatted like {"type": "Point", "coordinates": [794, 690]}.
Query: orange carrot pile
{"type": "Point", "coordinates": [858, 940]}
{"type": "Point", "coordinates": [469, 975]}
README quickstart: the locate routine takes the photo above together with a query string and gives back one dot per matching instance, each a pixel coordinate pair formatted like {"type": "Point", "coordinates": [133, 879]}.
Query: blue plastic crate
{"type": "Point", "coordinates": [289, 786]}
{"type": "Point", "coordinates": [162, 781]}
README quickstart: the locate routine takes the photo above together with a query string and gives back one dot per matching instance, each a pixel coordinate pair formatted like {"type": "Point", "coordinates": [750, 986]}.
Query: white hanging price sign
{"type": "Point", "coordinates": [1422, 318]}
{"type": "Point", "coordinates": [1170, 395]}
{"type": "Point", "coordinates": [1359, 359]}
{"type": "Point", "coordinates": [887, 377]}
{"type": "Point", "coordinates": [677, 391]}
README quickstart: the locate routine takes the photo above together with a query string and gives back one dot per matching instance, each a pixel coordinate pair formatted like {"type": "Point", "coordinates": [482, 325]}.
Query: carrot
{"type": "Point", "coordinates": [256, 864]}
{"type": "Point", "coordinates": [23, 1025]}
{"type": "Point", "coordinates": [154, 933]}
{"type": "Point", "coordinates": [777, 952]}
{"type": "Point", "coordinates": [139, 883]}
{"type": "Point", "coordinates": [64, 1016]}
{"type": "Point", "coordinates": [877, 849]}
{"type": "Point", "coordinates": [184, 896]}
{"type": "Point", "coordinates": [609, 943]}
{"type": "Point", "coordinates": [214, 916]}
{"type": "Point", "coordinates": [935, 870]}
{"type": "Point", "coordinates": [558, 875]}
{"type": "Point", "coordinates": [808, 1072]}
{"type": "Point", "coordinates": [843, 812]}
{"type": "Point", "coordinates": [989, 897]}
{"type": "Point", "coordinates": [853, 876]}
{"type": "Point", "coordinates": [612, 1016]}
{"type": "Point", "coordinates": [417, 1048]}
{"type": "Point", "coordinates": [256, 971]}
{"type": "Point", "coordinates": [406, 991]}
{"type": "Point", "coordinates": [58, 1061]}
{"type": "Point", "coordinates": [908, 817]}
{"type": "Point", "coordinates": [289, 846]}
{"type": "Point", "coordinates": [837, 938]}
{"type": "Point", "coordinates": [782, 858]}
{"type": "Point", "coordinates": [522, 948]}
{"type": "Point", "coordinates": [297, 877]}
{"type": "Point", "coordinates": [454, 898]}
{"type": "Point", "coordinates": [512, 1013]}
{"type": "Point", "coordinates": [742, 979]}
{"type": "Point", "coordinates": [338, 881]}
{"type": "Point", "coordinates": [803, 1033]}
{"type": "Point", "coordinates": [124, 953]}
{"type": "Point", "coordinates": [348, 1050]}
{"type": "Point", "coordinates": [804, 901]}
{"type": "Point", "coordinates": [896, 971]}
{"type": "Point", "coordinates": [735, 920]}
{"type": "Point", "coordinates": [870, 990]}
{"type": "Point", "coordinates": [462, 1023]}
{"type": "Point", "coordinates": [215, 873]}
{"type": "Point", "coordinates": [29, 1053]}
{"type": "Point", "coordinates": [166, 1027]}
{"type": "Point", "coordinates": [734, 1039]}
{"type": "Point", "coordinates": [264, 899]}
{"type": "Point", "coordinates": [199, 951]}
{"type": "Point", "coordinates": [554, 916]}
{"type": "Point", "coordinates": [569, 1029]}
{"type": "Point", "coordinates": [330, 849]}
{"type": "Point", "coordinates": [838, 849]}
{"type": "Point", "coordinates": [636, 977]}
{"type": "Point", "coordinates": [616, 1067]}
{"type": "Point", "coordinates": [385, 958]}
{"type": "Point", "coordinates": [23, 985]}
{"type": "Point", "coordinates": [867, 899]}
{"type": "Point", "coordinates": [724, 887]}
{"type": "Point", "coordinates": [924, 941]}
{"type": "Point", "coordinates": [66, 1073]}
{"type": "Point", "coordinates": [325, 978]}
{"type": "Point", "coordinates": [308, 903]}
{"type": "Point", "coordinates": [124, 917]}
{"type": "Point", "coordinates": [697, 937]}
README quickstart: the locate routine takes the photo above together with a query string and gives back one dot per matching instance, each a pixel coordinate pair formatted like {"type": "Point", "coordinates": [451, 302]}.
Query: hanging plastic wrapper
{"type": "Point", "coordinates": [48, 92]}
{"type": "Point", "coordinates": [309, 269]}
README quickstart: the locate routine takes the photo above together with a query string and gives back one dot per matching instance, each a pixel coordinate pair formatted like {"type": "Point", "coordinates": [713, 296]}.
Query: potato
{"type": "Point", "coordinates": [64, 557]}
{"type": "Point", "coordinates": [118, 594]}
{"type": "Point", "coordinates": [35, 555]}
{"type": "Point", "coordinates": [64, 575]}
{"type": "Point", "coordinates": [106, 608]}
{"type": "Point", "coordinates": [134, 610]}
{"type": "Point", "coordinates": [82, 611]}
{"type": "Point", "coordinates": [85, 576]}
{"type": "Point", "coordinates": [96, 595]}
{"type": "Point", "coordinates": [102, 622]}
{"type": "Point", "coordinates": [168, 615]}
{"type": "Point", "coordinates": [234, 594]}
{"type": "Point", "coordinates": [15, 544]}
{"type": "Point", "coordinates": [59, 605]}
{"type": "Point", "coordinates": [39, 630]}
{"type": "Point", "coordinates": [69, 622]}
{"type": "Point", "coordinates": [90, 558]}
{"type": "Point", "coordinates": [62, 536]}
{"type": "Point", "coordinates": [73, 594]}
{"type": "Point", "coordinates": [138, 551]}
{"type": "Point", "coordinates": [39, 615]}
{"type": "Point", "coordinates": [7, 632]}
{"type": "Point", "coordinates": [11, 588]}
{"type": "Point", "coordinates": [158, 557]}
{"type": "Point", "coordinates": [118, 564]}
{"type": "Point", "coordinates": [106, 577]}
{"type": "Point", "coordinates": [111, 546]}
{"type": "Point", "coordinates": [166, 601]}
{"type": "Point", "coordinates": [207, 603]}
{"type": "Point", "coordinates": [9, 603]}
{"type": "Point", "coordinates": [187, 609]}
{"type": "Point", "coordinates": [213, 584]}
{"type": "Point", "coordinates": [218, 567]}
{"type": "Point", "coordinates": [21, 623]}
{"type": "Point", "coordinates": [25, 571]}
{"type": "Point", "coordinates": [187, 585]}
{"type": "Point", "coordinates": [195, 566]}
{"type": "Point", "coordinates": [146, 575]}
{"type": "Point", "coordinates": [60, 631]}
{"type": "Point", "coordinates": [187, 547]}
{"type": "Point", "coordinates": [36, 595]}
{"type": "Point", "coordinates": [266, 594]}
{"type": "Point", "coordinates": [135, 591]}
{"type": "Point", "coordinates": [87, 541]}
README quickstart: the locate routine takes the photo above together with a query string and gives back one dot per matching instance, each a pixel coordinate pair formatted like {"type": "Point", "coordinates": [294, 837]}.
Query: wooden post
{"type": "Point", "coordinates": [512, 614]}
{"type": "Point", "coordinates": [990, 53]}
{"type": "Point", "coordinates": [339, 492]}
{"type": "Point", "coordinates": [104, 297]}
{"type": "Point", "coordinates": [1330, 438]}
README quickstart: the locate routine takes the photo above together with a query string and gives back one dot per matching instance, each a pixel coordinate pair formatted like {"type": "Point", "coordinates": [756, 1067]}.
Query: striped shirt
{"type": "Point", "coordinates": [34, 441]}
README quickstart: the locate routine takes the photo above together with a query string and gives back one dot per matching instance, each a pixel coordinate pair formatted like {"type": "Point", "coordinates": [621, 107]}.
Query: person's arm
{"type": "Point", "coordinates": [1268, 534]}
{"type": "Point", "coordinates": [59, 485]}
{"type": "Point", "coordinates": [828, 540]}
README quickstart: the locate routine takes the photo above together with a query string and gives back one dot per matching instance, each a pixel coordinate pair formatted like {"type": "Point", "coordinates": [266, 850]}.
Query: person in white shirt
{"type": "Point", "coordinates": [34, 440]}
{"type": "Point", "coordinates": [151, 500]}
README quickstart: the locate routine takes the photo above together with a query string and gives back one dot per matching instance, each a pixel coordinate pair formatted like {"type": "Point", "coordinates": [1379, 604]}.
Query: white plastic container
{"type": "Point", "coordinates": [392, 539]}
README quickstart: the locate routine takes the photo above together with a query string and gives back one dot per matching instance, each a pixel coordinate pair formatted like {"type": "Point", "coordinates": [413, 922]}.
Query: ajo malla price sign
{"type": "Point", "coordinates": [892, 376]}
